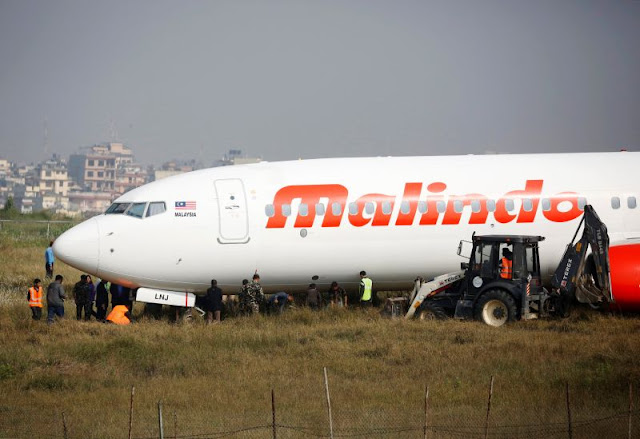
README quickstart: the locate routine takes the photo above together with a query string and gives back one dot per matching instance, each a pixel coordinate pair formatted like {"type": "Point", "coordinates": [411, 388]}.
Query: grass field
{"type": "Point", "coordinates": [218, 378]}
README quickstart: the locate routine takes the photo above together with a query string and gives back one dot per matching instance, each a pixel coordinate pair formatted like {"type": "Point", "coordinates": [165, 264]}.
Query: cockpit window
{"type": "Point", "coordinates": [156, 208]}
{"type": "Point", "coordinates": [137, 210]}
{"type": "Point", "coordinates": [117, 208]}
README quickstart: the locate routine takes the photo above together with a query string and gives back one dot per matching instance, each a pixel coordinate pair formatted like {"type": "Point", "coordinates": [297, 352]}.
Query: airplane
{"type": "Point", "coordinates": [325, 220]}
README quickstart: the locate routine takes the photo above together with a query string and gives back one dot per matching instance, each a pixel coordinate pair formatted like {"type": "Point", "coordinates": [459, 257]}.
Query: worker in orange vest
{"type": "Point", "coordinates": [119, 315]}
{"type": "Point", "coordinates": [34, 296]}
{"type": "Point", "coordinates": [506, 264]}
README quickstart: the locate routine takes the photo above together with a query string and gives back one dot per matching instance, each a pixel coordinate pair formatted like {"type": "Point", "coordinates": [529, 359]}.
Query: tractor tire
{"type": "Point", "coordinates": [431, 312]}
{"type": "Point", "coordinates": [495, 308]}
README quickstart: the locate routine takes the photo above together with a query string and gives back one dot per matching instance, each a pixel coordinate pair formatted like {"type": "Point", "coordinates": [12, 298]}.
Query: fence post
{"type": "Point", "coordinates": [160, 428]}
{"type": "Point", "coordinates": [65, 431]}
{"type": "Point", "coordinates": [326, 386]}
{"type": "Point", "coordinates": [133, 391]}
{"type": "Point", "coordinates": [48, 228]}
{"type": "Point", "coordinates": [175, 425]}
{"type": "Point", "coordinates": [486, 422]}
{"type": "Point", "coordinates": [630, 405]}
{"type": "Point", "coordinates": [570, 431]}
{"type": "Point", "coordinates": [426, 410]}
{"type": "Point", "coordinates": [273, 413]}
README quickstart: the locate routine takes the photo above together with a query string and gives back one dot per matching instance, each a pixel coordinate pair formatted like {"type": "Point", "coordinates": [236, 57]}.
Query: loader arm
{"type": "Point", "coordinates": [570, 278]}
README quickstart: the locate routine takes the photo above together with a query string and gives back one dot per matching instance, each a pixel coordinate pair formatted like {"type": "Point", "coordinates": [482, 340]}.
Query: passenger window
{"type": "Point", "coordinates": [137, 210]}
{"type": "Point", "coordinates": [615, 202]}
{"type": "Point", "coordinates": [457, 206]}
{"type": "Point", "coordinates": [286, 209]}
{"type": "Point", "coordinates": [336, 209]}
{"type": "Point", "coordinates": [422, 207]}
{"type": "Point", "coordinates": [303, 210]}
{"type": "Point", "coordinates": [386, 208]}
{"type": "Point", "coordinates": [441, 206]}
{"type": "Point", "coordinates": [117, 208]}
{"type": "Point", "coordinates": [369, 208]}
{"type": "Point", "coordinates": [582, 201]}
{"type": "Point", "coordinates": [546, 204]}
{"type": "Point", "coordinates": [156, 208]}
{"type": "Point", "coordinates": [475, 206]}
{"type": "Point", "coordinates": [320, 209]}
{"type": "Point", "coordinates": [509, 205]}
{"type": "Point", "coordinates": [405, 207]}
{"type": "Point", "coordinates": [631, 202]}
{"type": "Point", "coordinates": [269, 210]}
{"type": "Point", "coordinates": [353, 208]}
{"type": "Point", "coordinates": [491, 205]}
{"type": "Point", "coordinates": [527, 205]}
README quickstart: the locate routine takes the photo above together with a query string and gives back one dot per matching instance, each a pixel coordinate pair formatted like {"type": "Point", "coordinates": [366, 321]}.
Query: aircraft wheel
{"type": "Point", "coordinates": [495, 308]}
{"type": "Point", "coordinates": [431, 312]}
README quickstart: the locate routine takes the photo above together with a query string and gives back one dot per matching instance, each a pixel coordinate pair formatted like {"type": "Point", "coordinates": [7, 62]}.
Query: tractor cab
{"type": "Point", "coordinates": [502, 279]}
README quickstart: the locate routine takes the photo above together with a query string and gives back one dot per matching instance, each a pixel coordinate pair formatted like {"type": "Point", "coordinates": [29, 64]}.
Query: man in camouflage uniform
{"type": "Point", "coordinates": [242, 297]}
{"type": "Point", "coordinates": [254, 296]}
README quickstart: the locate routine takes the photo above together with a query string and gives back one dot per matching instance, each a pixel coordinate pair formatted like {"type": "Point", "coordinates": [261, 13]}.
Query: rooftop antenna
{"type": "Point", "coordinates": [46, 137]}
{"type": "Point", "coordinates": [113, 130]}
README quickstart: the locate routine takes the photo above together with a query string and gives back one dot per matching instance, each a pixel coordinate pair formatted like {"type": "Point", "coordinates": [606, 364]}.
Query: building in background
{"type": "Point", "coordinates": [95, 168]}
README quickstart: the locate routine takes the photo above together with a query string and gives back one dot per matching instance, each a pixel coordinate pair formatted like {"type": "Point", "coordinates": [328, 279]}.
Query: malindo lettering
{"type": "Point", "coordinates": [426, 204]}
{"type": "Point", "coordinates": [185, 214]}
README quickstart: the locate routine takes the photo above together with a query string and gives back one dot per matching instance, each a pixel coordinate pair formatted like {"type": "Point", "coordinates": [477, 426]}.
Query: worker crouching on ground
{"type": "Point", "coordinates": [277, 302]}
{"type": "Point", "coordinates": [337, 296]}
{"type": "Point", "coordinates": [34, 296]}
{"type": "Point", "coordinates": [120, 315]}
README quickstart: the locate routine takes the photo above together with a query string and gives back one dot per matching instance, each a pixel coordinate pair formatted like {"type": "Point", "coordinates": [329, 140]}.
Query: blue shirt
{"type": "Point", "coordinates": [48, 255]}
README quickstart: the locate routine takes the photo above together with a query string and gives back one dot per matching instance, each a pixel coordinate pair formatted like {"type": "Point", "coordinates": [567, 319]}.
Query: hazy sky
{"type": "Point", "coordinates": [289, 79]}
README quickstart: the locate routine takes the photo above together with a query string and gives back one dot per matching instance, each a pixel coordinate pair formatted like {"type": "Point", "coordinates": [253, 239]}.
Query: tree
{"type": "Point", "coordinates": [9, 205]}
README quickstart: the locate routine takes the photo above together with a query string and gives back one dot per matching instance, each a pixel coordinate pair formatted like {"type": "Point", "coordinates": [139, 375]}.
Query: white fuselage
{"type": "Point", "coordinates": [268, 218]}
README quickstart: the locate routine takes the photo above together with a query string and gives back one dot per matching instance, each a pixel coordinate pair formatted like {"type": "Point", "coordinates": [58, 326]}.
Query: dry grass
{"type": "Point", "coordinates": [219, 377]}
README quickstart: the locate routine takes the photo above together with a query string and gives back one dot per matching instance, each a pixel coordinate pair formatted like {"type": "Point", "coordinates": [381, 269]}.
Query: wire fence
{"type": "Point", "coordinates": [46, 229]}
{"type": "Point", "coordinates": [284, 417]}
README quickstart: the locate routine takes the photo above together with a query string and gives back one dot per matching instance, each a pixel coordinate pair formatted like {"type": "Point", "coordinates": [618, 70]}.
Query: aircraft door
{"type": "Point", "coordinates": [232, 211]}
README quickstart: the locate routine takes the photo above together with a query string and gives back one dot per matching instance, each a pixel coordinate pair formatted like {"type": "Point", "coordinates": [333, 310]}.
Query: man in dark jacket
{"type": "Point", "coordinates": [213, 302]}
{"type": "Point", "coordinates": [81, 292]}
{"type": "Point", "coordinates": [55, 299]}
{"type": "Point", "coordinates": [102, 300]}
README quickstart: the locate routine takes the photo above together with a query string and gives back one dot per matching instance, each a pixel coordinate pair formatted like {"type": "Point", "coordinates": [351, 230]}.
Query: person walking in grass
{"type": "Point", "coordinates": [102, 300]}
{"type": "Point", "coordinates": [213, 302]}
{"type": "Point", "coordinates": [255, 295]}
{"type": "Point", "coordinates": [34, 296]}
{"type": "Point", "coordinates": [366, 286]}
{"type": "Point", "coordinates": [55, 299]}
{"type": "Point", "coordinates": [49, 259]}
{"type": "Point", "coordinates": [81, 297]}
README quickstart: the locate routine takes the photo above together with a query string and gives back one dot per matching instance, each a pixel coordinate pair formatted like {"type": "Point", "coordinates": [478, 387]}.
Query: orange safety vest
{"type": "Point", "coordinates": [35, 297]}
{"type": "Point", "coordinates": [117, 315]}
{"type": "Point", "coordinates": [505, 272]}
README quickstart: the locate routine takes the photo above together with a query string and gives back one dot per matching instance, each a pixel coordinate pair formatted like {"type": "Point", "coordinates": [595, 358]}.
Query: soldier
{"type": "Point", "coordinates": [242, 296]}
{"type": "Point", "coordinates": [255, 296]}
{"type": "Point", "coordinates": [81, 293]}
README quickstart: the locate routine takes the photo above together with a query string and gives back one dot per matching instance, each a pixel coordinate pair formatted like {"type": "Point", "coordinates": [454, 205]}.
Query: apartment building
{"type": "Point", "coordinates": [95, 169]}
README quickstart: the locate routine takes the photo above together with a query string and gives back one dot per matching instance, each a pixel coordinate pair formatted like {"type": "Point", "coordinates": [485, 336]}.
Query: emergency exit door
{"type": "Point", "coordinates": [233, 217]}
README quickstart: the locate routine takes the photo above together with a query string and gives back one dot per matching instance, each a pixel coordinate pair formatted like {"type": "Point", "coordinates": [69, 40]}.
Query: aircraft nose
{"type": "Point", "coordinates": [80, 246]}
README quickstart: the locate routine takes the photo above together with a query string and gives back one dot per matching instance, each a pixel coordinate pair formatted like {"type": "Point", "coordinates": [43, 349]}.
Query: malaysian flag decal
{"type": "Point", "coordinates": [185, 205]}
